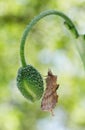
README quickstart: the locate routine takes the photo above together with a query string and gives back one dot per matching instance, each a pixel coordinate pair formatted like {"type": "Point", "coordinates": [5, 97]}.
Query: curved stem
{"type": "Point", "coordinates": [68, 22]}
{"type": "Point", "coordinates": [81, 48]}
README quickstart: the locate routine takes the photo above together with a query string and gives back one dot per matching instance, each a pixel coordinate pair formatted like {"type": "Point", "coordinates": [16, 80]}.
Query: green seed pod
{"type": "Point", "coordinates": [30, 83]}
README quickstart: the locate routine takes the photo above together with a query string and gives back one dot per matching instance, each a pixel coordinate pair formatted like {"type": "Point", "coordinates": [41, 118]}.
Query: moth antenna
{"type": "Point", "coordinates": [49, 69]}
{"type": "Point", "coordinates": [44, 75]}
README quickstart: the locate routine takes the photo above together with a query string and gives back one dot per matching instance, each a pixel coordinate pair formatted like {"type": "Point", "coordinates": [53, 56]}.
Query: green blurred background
{"type": "Point", "coordinates": [49, 45]}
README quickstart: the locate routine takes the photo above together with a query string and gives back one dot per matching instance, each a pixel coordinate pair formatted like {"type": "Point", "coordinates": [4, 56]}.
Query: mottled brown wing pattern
{"type": "Point", "coordinates": [50, 97]}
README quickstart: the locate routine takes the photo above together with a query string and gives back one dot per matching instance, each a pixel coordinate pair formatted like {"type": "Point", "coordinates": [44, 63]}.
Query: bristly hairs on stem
{"type": "Point", "coordinates": [67, 22]}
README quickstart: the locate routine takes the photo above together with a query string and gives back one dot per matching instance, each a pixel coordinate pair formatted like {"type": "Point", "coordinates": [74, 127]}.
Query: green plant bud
{"type": "Point", "coordinates": [30, 83]}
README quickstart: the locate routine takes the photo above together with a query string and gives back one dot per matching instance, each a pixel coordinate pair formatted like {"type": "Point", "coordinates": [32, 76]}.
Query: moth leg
{"type": "Point", "coordinates": [57, 86]}
{"type": "Point", "coordinates": [52, 113]}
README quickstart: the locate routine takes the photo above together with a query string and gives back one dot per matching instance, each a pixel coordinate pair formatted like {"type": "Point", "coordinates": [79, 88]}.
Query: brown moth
{"type": "Point", "coordinates": [50, 97]}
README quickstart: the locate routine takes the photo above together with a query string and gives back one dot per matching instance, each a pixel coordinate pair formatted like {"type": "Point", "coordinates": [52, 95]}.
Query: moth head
{"type": "Point", "coordinates": [51, 75]}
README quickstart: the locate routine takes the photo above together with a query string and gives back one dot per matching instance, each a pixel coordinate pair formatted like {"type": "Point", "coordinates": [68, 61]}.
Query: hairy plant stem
{"type": "Point", "coordinates": [67, 21]}
{"type": "Point", "coordinates": [81, 48]}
